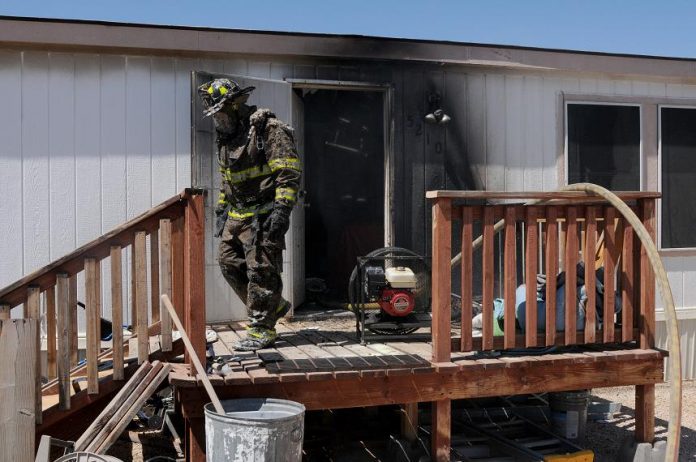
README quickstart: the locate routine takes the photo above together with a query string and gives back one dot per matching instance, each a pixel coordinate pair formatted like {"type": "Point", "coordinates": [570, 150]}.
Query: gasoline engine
{"type": "Point", "coordinates": [389, 293]}
{"type": "Point", "coordinates": [392, 289]}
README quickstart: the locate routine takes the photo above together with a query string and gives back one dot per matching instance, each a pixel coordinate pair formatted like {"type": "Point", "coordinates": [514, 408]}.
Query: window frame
{"type": "Point", "coordinates": [659, 176]}
{"type": "Point", "coordinates": [599, 102]}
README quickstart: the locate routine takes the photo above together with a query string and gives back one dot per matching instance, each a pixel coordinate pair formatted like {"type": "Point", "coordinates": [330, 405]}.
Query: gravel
{"type": "Point", "coordinates": [605, 438]}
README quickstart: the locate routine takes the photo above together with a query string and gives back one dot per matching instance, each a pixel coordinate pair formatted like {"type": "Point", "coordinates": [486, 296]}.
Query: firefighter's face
{"type": "Point", "coordinates": [227, 119]}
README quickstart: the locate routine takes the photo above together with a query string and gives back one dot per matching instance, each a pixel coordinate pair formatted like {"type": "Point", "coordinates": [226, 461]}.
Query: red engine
{"type": "Point", "coordinates": [397, 302]}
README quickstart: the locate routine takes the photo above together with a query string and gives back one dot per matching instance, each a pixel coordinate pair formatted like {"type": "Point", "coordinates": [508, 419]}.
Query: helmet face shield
{"type": "Point", "coordinates": [220, 91]}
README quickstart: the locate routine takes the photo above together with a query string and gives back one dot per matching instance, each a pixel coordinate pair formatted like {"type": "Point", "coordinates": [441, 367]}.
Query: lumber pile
{"type": "Point", "coordinates": [114, 419]}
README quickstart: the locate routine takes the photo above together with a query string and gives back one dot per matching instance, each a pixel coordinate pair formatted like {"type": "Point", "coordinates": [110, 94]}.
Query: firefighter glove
{"type": "Point", "coordinates": [221, 213]}
{"type": "Point", "coordinates": [279, 222]}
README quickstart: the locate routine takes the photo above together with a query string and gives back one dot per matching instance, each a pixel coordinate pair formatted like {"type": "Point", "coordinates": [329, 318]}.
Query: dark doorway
{"type": "Point", "coordinates": [344, 180]}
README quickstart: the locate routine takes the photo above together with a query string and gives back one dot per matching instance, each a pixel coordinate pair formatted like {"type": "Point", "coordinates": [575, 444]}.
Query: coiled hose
{"type": "Point", "coordinates": [674, 360]}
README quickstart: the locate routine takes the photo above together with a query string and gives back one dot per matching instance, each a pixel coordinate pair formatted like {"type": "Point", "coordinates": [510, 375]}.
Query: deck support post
{"type": "Point", "coordinates": [442, 280]}
{"type": "Point", "coordinates": [645, 394]}
{"type": "Point", "coordinates": [441, 430]}
{"type": "Point", "coordinates": [409, 421]}
{"type": "Point", "coordinates": [194, 274]}
{"type": "Point", "coordinates": [189, 403]}
{"type": "Point", "coordinates": [195, 439]}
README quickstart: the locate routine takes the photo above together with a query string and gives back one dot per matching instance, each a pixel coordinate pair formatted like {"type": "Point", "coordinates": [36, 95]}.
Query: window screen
{"type": "Point", "coordinates": [604, 145]}
{"type": "Point", "coordinates": [678, 134]}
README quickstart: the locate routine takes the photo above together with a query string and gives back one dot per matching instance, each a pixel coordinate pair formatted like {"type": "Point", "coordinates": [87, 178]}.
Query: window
{"type": "Point", "coordinates": [678, 177]}
{"type": "Point", "coordinates": [603, 145]}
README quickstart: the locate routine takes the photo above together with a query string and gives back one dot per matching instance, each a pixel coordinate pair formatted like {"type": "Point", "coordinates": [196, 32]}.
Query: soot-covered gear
{"type": "Point", "coordinates": [252, 267]}
{"type": "Point", "coordinates": [260, 177]}
{"type": "Point", "coordinates": [260, 170]}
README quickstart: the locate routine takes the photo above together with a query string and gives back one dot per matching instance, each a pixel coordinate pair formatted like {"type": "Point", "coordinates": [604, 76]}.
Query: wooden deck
{"type": "Point", "coordinates": [323, 366]}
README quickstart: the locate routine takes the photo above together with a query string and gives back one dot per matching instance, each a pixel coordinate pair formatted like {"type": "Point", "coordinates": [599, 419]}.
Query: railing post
{"type": "Point", "coordinates": [63, 366]}
{"type": "Point", "coordinates": [117, 311]}
{"type": "Point", "coordinates": [194, 273]}
{"type": "Point", "coordinates": [165, 261]}
{"type": "Point", "coordinates": [645, 394]}
{"type": "Point", "coordinates": [33, 311]}
{"type": "Point", "coordinates": [441, 308]}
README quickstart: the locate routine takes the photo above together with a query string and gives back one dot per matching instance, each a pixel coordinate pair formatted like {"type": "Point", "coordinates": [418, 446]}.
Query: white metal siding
{"type": "Point", "coordinates": [82, 151]}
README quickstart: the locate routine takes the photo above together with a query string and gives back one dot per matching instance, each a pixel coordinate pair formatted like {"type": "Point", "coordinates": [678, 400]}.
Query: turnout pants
{"type": "Point", "coordinates": [251, 264]}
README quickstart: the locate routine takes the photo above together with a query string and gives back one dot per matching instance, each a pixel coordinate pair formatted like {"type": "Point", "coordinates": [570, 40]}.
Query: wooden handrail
{"type": "Point", "coordinates": [579, 196]}
{"type": "Point", "coordinates": [175, 231]}
{"type": "Point", "coordinates": [72, 263]}
{"type": "Point", "coordinates": [566, 229]}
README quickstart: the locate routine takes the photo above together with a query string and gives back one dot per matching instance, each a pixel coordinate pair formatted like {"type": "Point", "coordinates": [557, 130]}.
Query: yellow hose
{"type": "Point", "coordinates": [674, 360]}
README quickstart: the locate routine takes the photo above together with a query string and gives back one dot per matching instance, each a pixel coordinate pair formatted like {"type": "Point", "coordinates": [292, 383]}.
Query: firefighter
{"type": "Point", "coordinates": [260, 178]}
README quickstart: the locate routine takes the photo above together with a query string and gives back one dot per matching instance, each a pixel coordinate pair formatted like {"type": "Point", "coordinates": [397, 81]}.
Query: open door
{"type": "Point", "coordinates": [222, 304]}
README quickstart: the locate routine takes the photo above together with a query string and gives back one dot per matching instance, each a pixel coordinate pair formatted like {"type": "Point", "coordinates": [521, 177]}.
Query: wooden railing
{"type": "Point", "coordinates": [174, 231]}
{"type": "Point", "coordinates": [556, 232]}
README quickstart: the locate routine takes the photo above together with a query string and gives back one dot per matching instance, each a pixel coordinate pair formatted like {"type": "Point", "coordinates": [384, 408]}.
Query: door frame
{"type": "Point", "coordinates": [387, 91]}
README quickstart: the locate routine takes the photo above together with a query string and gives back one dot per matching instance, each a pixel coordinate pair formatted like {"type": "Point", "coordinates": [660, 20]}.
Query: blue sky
{"type": "Point", "coordinates": [621, 26]}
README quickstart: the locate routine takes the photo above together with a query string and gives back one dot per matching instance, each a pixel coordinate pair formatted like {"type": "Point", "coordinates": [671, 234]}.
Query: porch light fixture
{"type": "Point", "coordinates": [436, 114]}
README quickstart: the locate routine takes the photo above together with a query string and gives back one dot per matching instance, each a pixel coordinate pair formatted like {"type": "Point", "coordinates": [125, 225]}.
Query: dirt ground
{"type": "Point", "coordinates": [605, 438]}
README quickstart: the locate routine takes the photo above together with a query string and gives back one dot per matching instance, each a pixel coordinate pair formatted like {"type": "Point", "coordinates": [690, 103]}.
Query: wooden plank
{"type": "Point", "coordinates": [337, 349]}
{"type": "Point", "coordinates": [63, 361]}
{"type": "Point", "coordinates": [108, 412]}
{"type": "Point", "coordinates": [117, 311]}
{"type": "Point", "coordinates": [571, 259]}
{"type": "Point", "coordinates": [579, 196]}
{"type": "Point", "coordinates": [4, 312]}
{"type": "Point", "coordinates": [72, 324]}
{"type": "Point", "coordinates": [647, 280]}
{"type": "Point", "coordinates": [18, 389]}
{"type": "Point", "coordinates": [377, 365]}
{"type": "Point", "coordinates": [200, 370]}
{"type": "Point", "coordinates": [441, 279]}
{"type": "Point", "coordinates": [551, 272]}
{"type": "Point", "coordinates": [590, 280]}
{"type": "Point", "coordinates": [237, 375]}
{"type": "Point", "coordinates": [645, 413]}
{"type": "Point", "coordinates": [645, 394]}
{"type": "Point", "coordinates": [140, 277]}
{"type": "Point", "coordinates": [609, 274]}
{"type": "Point", "coordinates": [99, 303]}
{"type": "Point", "coordinates": [628, 283]}
{"type": "Point", "coordinates": [134, 291]}
{"type": "Point", "coordinates": [154, 276]}
{"type": "Point", "coordinates": [510, 276]}
{"type": "Point", "coordinates": [178, 266]}
{"type": "Point", "coordinates": [409, 419]}
{"type": "Point", "coordinates": [441, 430]}
{"type": "Point", "coordinates": [51, 352]}
{"type": "Point", "coordinates": [135, 407]}
{"type": "Point", "coordinates": [531, 267]}
{"type": "Point", "coordinates": [93, 340]}
{"type": "Point", "coordinates": [370, 391]}
{"type": "Point", "coordinates": [124, 408]}
{"type": "Point", "coordinates": [166, 275]}
{"type": "Point", "coordinates": [467, 271]}
{"type": "Point", "coordinates": [559, 339]}
{"type": "Point", "coordinates": [194, 274]}
{"type": "Point", "coordinates": [33, 311]}
{"type": "Point", "coordinates": [73, 262]}
{"type": "Point", "coordinates": [488, 276]}
{"type": "Point", "coordinates": [254, 366]}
